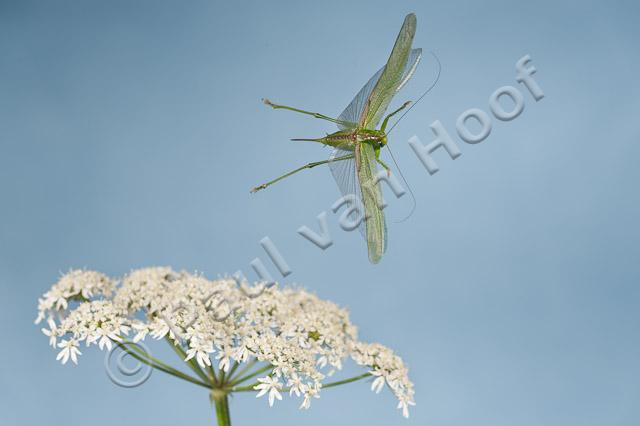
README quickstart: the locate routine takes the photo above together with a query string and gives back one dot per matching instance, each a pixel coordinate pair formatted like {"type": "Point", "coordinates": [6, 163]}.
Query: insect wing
{"type": "Point", "coordinates": [352, 114]}
{"type": "Point", "coordinates": [391, 78]}
{"type": "Point", "coordinates": [371, 196]}
{"type": "Point", "coordinates": [345, 175]}
{"type": "Point", "coordinates": [353, 111]}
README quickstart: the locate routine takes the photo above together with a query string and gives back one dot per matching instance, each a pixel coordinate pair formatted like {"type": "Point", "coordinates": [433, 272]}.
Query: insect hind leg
{"type": "Point", "coordinates": [299, 169]}
{"type": "Point", "coordinates": [301, 111]}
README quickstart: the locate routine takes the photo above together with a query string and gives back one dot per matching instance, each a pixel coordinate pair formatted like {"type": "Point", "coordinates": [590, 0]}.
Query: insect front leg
{"type": "Point", "coordinates": [387, 168]}
{"type": "Point", "coordinates": [379, 161]}
{"type": "Point", "coordinates": [386, 119]}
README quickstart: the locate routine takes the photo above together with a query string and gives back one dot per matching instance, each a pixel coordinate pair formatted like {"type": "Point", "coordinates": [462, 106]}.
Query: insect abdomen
{"type": "Point", "coordinates": [341, 140]}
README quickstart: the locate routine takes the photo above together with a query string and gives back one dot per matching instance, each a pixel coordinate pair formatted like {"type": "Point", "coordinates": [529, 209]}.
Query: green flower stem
{"type": "Point", "coordinates": [249, 388]}
{"type": "Point", "coordinates": [244, 369]}
{"type": "Point", "coordinates": [143, 353]}
{"type": "Point", "coordinates": [252, 375]}
{"type": "Point", "coordinates": [192, 363]}
{"type": "Point", "coordinates": [345, 381]}
{"type": "Point", "coordinates": [221, 402]}
{"type": "Point", "coordinates": [234, 367]}
{"type": "Point", "coordinates": [151, 362]}
{"type": "Point", "coordinates": [212, 373]}
{"type": "Point", "coordinates": [166, 369]}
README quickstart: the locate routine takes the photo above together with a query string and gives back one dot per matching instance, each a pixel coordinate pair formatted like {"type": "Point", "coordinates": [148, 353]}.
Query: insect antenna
{"type": "Point", "coordinates": [423, 95]}
{"type": "Point", "coordinates": [413, 197]}
{"type": "Point", "coordinates": [393, 158]}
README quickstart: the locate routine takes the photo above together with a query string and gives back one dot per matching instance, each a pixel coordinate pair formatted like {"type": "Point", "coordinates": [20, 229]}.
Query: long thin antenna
{"type": "Point", "coordinates": [423, 95]}
{"type": "Point", "coordinates": [413, 197]}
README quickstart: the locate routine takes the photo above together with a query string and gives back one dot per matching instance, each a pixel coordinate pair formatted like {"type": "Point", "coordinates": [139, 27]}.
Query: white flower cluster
{"type": "Point", "coordinates": [75, 285]}
{"type": "Point", "coordinates": [303, 338]}
{"type": "Point", "coordinates": [387, 368]}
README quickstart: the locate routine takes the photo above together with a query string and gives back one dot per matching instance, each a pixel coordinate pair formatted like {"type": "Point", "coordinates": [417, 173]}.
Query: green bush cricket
{"type": "Point", "coordinates": [356, 146]}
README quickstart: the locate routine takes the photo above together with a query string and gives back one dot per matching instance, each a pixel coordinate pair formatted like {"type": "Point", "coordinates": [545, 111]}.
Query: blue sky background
{"type": "Point", "coordinates": [131, 132]}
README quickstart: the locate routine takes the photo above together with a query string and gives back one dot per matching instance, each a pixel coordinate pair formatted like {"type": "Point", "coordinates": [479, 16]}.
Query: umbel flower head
{"type": "Point", "coordinates": [287, 340]}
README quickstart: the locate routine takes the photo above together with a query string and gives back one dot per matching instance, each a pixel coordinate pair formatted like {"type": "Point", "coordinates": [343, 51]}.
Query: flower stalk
{"type": "Point", "coordinates": [221, 402]}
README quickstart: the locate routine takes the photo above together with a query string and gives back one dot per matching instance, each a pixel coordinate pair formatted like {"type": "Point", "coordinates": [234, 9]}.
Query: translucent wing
{"type": "Point", "coordinates": [356, 178]}
{"type": "Point", "coordinates": [353, 112]}
{"type": "Point", "coordinates": [391, 78]}
{"type": "Point", "coordinates": [371, 195]}
{"type": "Point", "coordinates": [410, 68]}
{"type": "Point", "coordinates": [345, 175]}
